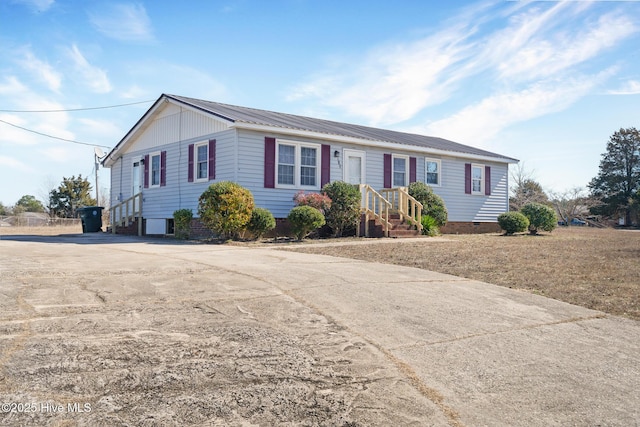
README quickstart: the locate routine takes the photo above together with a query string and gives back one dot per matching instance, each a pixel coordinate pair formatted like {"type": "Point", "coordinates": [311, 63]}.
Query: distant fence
{"type": "Point", "coordinates": [37, 221]}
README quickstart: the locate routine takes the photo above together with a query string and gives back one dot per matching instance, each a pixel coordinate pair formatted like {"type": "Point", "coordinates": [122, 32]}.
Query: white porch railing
{"type": "Point", "coordinates": [373, 205]}
{"type": "Point", "coordinates": [126, 212]}
{"type": "Point", "coordinates": [405, 205]}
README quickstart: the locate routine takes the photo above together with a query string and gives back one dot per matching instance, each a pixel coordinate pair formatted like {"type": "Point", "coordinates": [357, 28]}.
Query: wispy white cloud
{"type": "Point", "coordinates": [134, 92]}
{"type": "Point", "coordinates": [393, 82]}
{"type": "Point", "coordinates": [479, 123]}
{"type": "Point", "coordinates": [552, 52]}
{"type": "Point", "coordinates": [57, 153]}
{"type": "Point", "coordinates": [42, 70]}
{"type": "Point", "coordinates": [93, 77]}
{"type": "Point", "coordinates": [631, 87]}
{"type": "Point", "coordinates": [527, 53]}
{"type": "Point", "coordinates": [24, 98]}
{"type": "Point", "coordinates": [15, 164]}
{"type": "Point", "coordinates": [124, 22]}
{"type": "Point", "coordinates": [176, 79]}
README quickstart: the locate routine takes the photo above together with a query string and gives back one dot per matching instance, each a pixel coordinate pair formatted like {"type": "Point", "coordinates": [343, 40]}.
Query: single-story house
{"type": "Point", "coordinates": [181, 145]}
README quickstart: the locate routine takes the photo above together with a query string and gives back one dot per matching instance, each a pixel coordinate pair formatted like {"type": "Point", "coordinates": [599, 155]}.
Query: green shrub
{"type": "Point", "coordinates": [345, 206]}
{"type": "Point", "coordinates": [225, 208]}
{"type": "Point", "coordinates": [429, 226]}
{"type": "Point", "coordinates": [182, 223]}
{"type": "Point", "coordinates": [322, 202]}
{"type": "Point", "coordinates": [432, 204]}
{"type": "Point", "coordinates": [541, 217]}
{"type": "Point", "coordinates": [513, 222]}
{"type": "Point", "coordinates": [305, 219]}
{"type": "Point", "coordinates": [261, 222]}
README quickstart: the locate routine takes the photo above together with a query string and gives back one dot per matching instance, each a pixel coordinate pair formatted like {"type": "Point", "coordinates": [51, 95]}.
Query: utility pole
{"type": "Point", "coordinates": [98, 154]}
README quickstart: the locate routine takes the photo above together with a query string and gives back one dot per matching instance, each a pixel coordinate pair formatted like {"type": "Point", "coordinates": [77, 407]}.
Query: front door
{"type": "Point", "coordinates": [354, 166]}
{"type": "Point", "coordinates": [136, 174]}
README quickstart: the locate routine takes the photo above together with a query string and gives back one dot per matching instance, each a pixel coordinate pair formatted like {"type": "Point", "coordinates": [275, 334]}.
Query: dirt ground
{"type": "Point", "coordinates": [102, 330]}
{"type": "Point", "coordinates": [590, 267]}
{"type": "Point", "coordinates": [106, 335]}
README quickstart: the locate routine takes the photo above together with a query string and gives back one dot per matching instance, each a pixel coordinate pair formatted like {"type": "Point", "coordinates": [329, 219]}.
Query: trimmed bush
{"type": "Point", "coordinates": [345, 206]}
{"type": "Point", "coordinates": [541, 217]}
{"type": "Point", "coordinates": [182, 223]}
{"type": "Point", "coordinates": [432, 204]}
{"type": "Point", "coordinates": [322, 202]}
{"type": "Point", "coordinates": [305, 219]}
{"type": "Point", "coordinates": [429, 226]}
{"type": "Point", "coordinates": [262, 221]}
{"type": "Point", "coordinates": [513, 222]}
{"type": "Point", "coordinates": [225, 208]}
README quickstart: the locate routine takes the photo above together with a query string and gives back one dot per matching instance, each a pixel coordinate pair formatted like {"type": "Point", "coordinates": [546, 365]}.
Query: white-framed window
{"type": "Point", "coordinates": [400, 170]}
{"type": "Point", "coordinates": [477, 179]}
{"type": "Point", "coordinates": [433, 172]}
{"type": "Point", "coordinates": [154, 169]}
{"type": "Point", "coordinates": [201, 164]}
{"type": "Point", "coordinates": [297, 165]}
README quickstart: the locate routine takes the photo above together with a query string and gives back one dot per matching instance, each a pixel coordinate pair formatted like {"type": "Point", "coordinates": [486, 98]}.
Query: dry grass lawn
{"type": "Point", "coordinates": [594, 268]}
{"type": "Point", "coordinates": [41, 231]}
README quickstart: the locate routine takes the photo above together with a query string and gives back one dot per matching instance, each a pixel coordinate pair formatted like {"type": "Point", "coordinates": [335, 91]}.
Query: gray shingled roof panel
{"type": "Point", "coordinates": [247, 115]}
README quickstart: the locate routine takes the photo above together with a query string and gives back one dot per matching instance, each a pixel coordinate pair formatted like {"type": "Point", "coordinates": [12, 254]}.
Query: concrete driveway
{"type": "Point", "coordinates": [109, 330]}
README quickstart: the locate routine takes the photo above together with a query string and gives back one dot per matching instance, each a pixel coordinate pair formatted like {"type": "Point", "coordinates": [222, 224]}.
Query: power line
{"type": "Point", "coordinates": [55, 137]}
{"type": "Point", "coordinates": [76, 109]}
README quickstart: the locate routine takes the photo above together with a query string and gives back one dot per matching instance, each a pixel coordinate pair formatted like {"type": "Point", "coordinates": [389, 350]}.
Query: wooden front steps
{"type": "Point", "coordinates": [398, 229]}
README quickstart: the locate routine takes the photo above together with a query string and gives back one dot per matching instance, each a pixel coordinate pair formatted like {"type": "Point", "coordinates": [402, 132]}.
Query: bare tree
{"type": "Point", "coordinates": [572, 203]}
{"type": "Point", "coordinates": [524, 189]}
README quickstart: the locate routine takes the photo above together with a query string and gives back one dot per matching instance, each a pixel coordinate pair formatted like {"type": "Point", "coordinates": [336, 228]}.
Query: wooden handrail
{"type": "Point", "coordinates": [374, 205]}
{"type": "Point", "coordinates": [405, 205]}
{"type": "Point", "coordinates": [132, 209]}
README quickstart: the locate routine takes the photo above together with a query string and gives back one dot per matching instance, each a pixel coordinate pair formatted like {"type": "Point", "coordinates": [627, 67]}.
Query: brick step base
{"type": "Point", "coordinates": [398, 228]}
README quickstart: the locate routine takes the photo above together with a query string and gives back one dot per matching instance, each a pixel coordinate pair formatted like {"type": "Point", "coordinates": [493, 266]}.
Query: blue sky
{"type": "Point", "coordinates": [545, 82]}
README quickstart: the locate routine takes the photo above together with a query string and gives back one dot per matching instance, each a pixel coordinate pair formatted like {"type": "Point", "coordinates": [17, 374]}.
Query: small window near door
{"type": "Point", "coordinates": [432, 171]}
{"type": "Point", "coordinates": [154, 170]}
{"type": "Point", "coordinates": [202, 162]}
{"type": "Point", "coordinates": [477, 179]}
{"type": "Point", "coordinates": [400, 171]}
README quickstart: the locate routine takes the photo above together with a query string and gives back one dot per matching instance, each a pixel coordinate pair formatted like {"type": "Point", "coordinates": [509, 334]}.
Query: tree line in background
{"type": "Point", "coordinates": [63, 201]}
{"type": "Point", "coordinates": [613, 194]}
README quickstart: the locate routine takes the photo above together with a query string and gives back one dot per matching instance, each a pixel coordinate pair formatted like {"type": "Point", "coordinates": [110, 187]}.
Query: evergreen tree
{"type": "Point", "coordinates": [29, 203]}
{"type": "Point", "coordinates": [618, 182]}
{"type": "Point", "coordinates": [72, 193]}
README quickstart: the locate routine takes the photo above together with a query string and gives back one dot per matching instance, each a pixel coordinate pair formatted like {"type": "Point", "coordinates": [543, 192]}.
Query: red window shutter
{"type": "Point", "coordinates": [412, 169]}
{"type": "Point", "coordinates": [190, 171]}
{"type": "Point", "coordinates": [269, 162]}
{"type": "Point", "coordinates": [212, 159]}
{"type": "Point", "coordinates": [325, 169]}
{"type": "Point", "coordinates": [467, 178]}
{"type": "Point", "coordinates": [387, 170]}
{"type": "Point", "coordinates": [487, 180]}
{"type": "Point", "coordinates": [163, 168]}
{"type": "Point", "coordinates": [146, 171]}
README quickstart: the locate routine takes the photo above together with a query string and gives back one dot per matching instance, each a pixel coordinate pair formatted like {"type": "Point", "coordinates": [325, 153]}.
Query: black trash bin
{"type": "Point", "coordinates": [91, 217]}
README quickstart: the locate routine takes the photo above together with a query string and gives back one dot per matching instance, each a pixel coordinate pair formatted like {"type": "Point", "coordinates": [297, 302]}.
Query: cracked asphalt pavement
{"type": "Point", "coordinates": [101, 330]}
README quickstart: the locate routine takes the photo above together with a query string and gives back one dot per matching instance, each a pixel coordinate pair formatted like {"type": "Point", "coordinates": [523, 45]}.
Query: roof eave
{"type": "Point", "coordinates": [370, 143]}
{"type": "Point", "coordinates": [113, 155]}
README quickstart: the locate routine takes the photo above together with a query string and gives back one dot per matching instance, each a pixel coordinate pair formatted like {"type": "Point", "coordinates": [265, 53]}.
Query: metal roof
{"type": "Point", "coordinates": [244, 115]}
